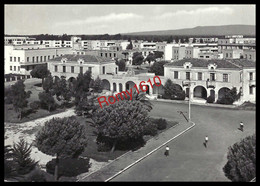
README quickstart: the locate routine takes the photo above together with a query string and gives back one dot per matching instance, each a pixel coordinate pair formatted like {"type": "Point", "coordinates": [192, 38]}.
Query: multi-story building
{"type": "Point", "coordinates": [232, 53]}
{"type": "Point", "coordinates": [148, 45]}
{"type": "Point", "coordinates": [213, 77]}
{"type": "Point", "coordinates": [21, 59]}
{"type": "Point", "coordinates": [235, 42]}
{"type": "Point", "coordinates": [249, 54]}
{"type": "Point", "coordinates": [178, 52]}
{"type": "Point", "coordinates": [70, 66]}
{"type": "Point", "coordinates": [160, 46]}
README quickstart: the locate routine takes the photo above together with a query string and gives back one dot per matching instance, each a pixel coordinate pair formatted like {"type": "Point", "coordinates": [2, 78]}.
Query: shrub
{"type": "Point", "coordinates": [180, 96]}
{"type": "Point", "coordinates": [69, 167]}
{"type": "Point", "coordinates": [161, 124]}
{"type": "Point", "coordinates": [36, 175]}
{"type": "Point", "coordinates": [22, 151]}
{"type": "Point", "coordinates": [210, 99]}
{"type": "Point", "coordinates": [35, 105]}
{"type": "Point", "coordinates": [103, 147]}
{"type": "Point", "coordinates": [150, 129]}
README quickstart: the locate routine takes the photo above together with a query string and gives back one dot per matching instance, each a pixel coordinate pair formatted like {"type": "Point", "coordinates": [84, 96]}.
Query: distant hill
{"type": "Point", "coordinates": [204, 30]}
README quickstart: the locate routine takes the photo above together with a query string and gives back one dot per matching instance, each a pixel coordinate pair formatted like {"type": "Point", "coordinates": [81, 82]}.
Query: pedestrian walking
{"type": "Point", "coordinates": [167, 149]}
{"type": "Point", "coordinates": [241, 126]}
{"type": "Point", "coordinates": [206, 140]}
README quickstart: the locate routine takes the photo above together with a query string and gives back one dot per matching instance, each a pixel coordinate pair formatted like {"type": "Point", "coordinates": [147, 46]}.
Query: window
{"type": "Point", "coordinates": [250, 57]}
{"type": "Point", "coordinates": [33, 59]}
{"type": "Point", "coordinates": [11, 68]}
{"type": "Point", "coordinates": [89, 69]}
{"type": "Point", "coordinates": [250, 75]}
{"type": "Point", "coordinates": [44, 58]}
{"type": "Point", "coordinates": [199, 75]}
{"type": "Point", "coordinates": [49, 57]}
{"type": "Point", "coordinates": [14, 59]}
{"type": "Point", "coordinates": [250, 90]}
{"type": "Point", "coordinates": [110, 55]}
{"type": "Point", "coordinates": [246, 56]}
{"type": "Point", "coordinates": [227, 55]}
{"type": "Point", "coordinates": [188, 75]}
{"type": "Point", "coordinates": [101, 54]}
{"type": "Point", "coordinates": [230, 54]}
{"type": "Point", "coordinates": [28, 59]}
{"type": "Point", "coordinates": [176, 74]}
{"type": "Point", "coordinates": [225, 77]}
{"type": "Point", "coordinates": [56, 68]}
{"type": "Point", "coordinates": [104, 69]}
{"type": "Point", "coordinates": [64, 68]}
{"type": "Point", "coordinates": [41, 59]}
{"type": "Point", "coordinates": [14, 68]}
{"type": "Point", "coordinates": [105, 54]}
{"type": "Point", "coordinates": [72, 69]}
{"type": "Point", "coordinates": [81, 69]}
{"type": "Point", "coordinates": [116, 70]}
{"type": "Point", "coordinates": [19, 59]}
{"type": "Point", "coordinates": [18, 68]}
{"type": "Point", "coordinates": [114, 54]}
{"type": "Point", "coordinates": [212, 76]}
{"type": "Point", "coordinates": [11, 59]}
{"type": "Point", "coordinates": [37, 58]}
{"type": "Point", "coordinates": [53, 56]}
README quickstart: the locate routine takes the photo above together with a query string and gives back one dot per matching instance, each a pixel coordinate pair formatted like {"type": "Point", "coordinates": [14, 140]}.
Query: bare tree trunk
{"type": "Point", "coordinates": [56, 177]}
{"type": "Point", "coordinates": [114, 146]}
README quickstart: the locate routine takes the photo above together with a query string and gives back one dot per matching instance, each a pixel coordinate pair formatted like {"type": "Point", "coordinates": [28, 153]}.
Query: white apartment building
{"type": "Point", "coordinates": [148, 45]}
{"type": "Point", "coordinates": [22, 59]}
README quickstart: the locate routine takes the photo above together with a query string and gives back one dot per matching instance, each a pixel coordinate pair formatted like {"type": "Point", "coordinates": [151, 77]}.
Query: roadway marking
{"type": "Point", "coordinates": [140, 159]}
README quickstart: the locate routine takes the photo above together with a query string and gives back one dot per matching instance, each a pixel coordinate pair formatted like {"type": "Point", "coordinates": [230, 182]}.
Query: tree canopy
{"type": "Point", "coordinates": [173, 91]}
{"type": "Point", "coordinates": [62, 136]}
{"type": "Point", "coordinates": [121, 121]}
{"type": "Point", "coordinates": [137, 58]}
{"type": "Point", "coordinates": [241, 164]}
{"type": "Point", "coordinates": [40, 71]}
{"type": "Point", "coordinates": [158, 68]}
{"type": "Point", "coordinates": [19, 97]}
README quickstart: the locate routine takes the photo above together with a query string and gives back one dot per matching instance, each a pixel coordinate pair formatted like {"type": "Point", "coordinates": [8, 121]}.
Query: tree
{"type": "Point", "coordinates": [194, 40]}
{"type": "Point", "coordinates": [137, 58]}
{"type": "Point", "coordinates": [143, 99]}
{"type": "Point", "coordinates": [47, 101]}
{"type": "Point", "coordinates": [21, 155]}
{"type": "Point", "coordinates": [129, 46]}
{"type": "Point", "coordinates": [62, 90]}
{"type": "Point", "coordinates": [121, 121]}
{"type": "Point", "coordinates": [121, 64]}
{"type": "Point", "coordinates": [19, 97]}
{"type": "Point", "coordinates": [97, 85]}
{"type": "Point", "coordinates": [229, 96]}
{"type": "Point", "coordinates": [158, 54]}
{"type": "Point", "coordinates": [10, 170]}
{"type": "Point", "coordinates": [241, 164]}
{"type": "Point", "coordinates": [173, 91]}
{"type": "Point", "coordinates": [63, 138]}
{"type": "Point", "coordinates": [125, 54]}
{"type": "Point", "coordinates": [81, 87]}
{"type": "Point", "coordinates": [47, 84]}
{"type": "Point", "coordinates": [169, 39]}
{"type": "Point", "coordinates": [150, 58]}
{"type": "Point", "coordinates": [40, 71]}
{"type": "Point", "coordinates": [158, 68]}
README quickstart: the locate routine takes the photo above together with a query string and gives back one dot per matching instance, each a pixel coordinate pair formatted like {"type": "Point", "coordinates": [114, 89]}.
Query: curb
{"type": "Point", "coordinates": [140, 159]}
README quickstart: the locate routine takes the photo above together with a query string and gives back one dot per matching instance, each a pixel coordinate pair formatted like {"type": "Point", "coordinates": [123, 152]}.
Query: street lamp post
{"type": "Point", "coordinates": [188, 83]}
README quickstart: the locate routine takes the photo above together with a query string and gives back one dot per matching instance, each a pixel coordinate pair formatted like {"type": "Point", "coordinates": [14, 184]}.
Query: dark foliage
{"type": "Point", "coordinates": [69, 167]}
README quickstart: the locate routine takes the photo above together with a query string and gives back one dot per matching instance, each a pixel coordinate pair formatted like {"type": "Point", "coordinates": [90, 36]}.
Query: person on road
{"type": "Point", "coordinates": [167, 149]}
{"type": "Point", "coordinates": [241, 126]}
{"type": "Point", "coordinates": [206, 140]}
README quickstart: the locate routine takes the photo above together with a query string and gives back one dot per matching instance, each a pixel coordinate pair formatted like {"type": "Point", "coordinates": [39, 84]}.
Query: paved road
{"type": "Point", "coordinates": [189, 160]}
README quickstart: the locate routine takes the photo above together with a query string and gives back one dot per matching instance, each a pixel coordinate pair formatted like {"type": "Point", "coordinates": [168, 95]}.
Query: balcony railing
{"type": "Point", "coordinates": [210, 84]}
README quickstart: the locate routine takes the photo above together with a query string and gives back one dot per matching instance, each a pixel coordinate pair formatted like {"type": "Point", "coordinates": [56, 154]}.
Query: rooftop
{"type": "Point", "coordinates": [235, 63]}
{"type": "Point", "coordinates": [86, 58]}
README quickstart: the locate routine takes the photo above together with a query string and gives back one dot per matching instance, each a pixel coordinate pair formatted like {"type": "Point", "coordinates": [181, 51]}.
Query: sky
{"type": "Point", "coordinates": [113, 19]}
